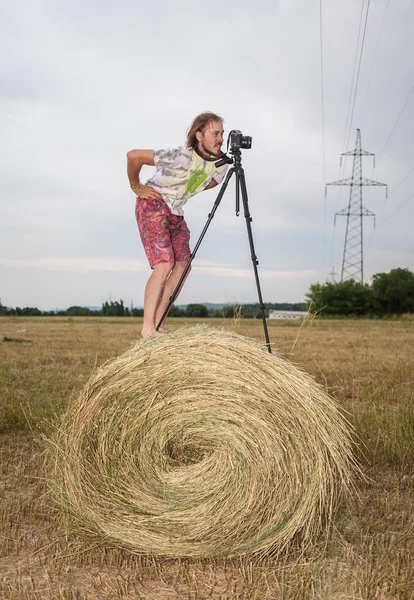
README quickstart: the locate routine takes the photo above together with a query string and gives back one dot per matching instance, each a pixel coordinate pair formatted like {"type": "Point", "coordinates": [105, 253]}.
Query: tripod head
{"type": "Point", "coordinates": [224, 160]}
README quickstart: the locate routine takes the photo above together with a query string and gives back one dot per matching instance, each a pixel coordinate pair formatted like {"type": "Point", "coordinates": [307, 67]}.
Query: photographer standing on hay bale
{"type": "Point", "coordinates": [180, 173]}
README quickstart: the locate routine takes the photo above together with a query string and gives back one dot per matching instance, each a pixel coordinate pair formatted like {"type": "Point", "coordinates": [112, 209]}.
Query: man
{"type": "Point", "coordinates": [180, 173]}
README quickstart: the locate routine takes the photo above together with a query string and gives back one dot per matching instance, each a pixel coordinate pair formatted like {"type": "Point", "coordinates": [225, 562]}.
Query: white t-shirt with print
{"type": "Point", "coordinates": [182, 173]}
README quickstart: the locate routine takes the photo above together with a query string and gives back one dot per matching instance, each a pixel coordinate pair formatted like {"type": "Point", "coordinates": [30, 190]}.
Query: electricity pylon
{"type": "Point", "coordinates": [353, 257]}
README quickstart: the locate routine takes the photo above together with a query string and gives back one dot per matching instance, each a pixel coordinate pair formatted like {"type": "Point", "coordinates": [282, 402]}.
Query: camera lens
{"type": "Point", "coordinates": [246, 142]}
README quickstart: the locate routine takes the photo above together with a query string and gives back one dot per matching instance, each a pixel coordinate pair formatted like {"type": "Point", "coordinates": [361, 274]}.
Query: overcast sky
{"type": "Point", "coordinates": [83, 82]}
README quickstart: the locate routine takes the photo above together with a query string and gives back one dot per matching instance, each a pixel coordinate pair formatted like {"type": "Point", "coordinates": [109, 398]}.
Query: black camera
{"type": "Point", "coordinates": [238, 141]}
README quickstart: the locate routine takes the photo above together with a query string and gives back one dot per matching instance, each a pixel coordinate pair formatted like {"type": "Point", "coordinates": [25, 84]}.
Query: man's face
{"type": "Point", "coordinates": [210, 140]}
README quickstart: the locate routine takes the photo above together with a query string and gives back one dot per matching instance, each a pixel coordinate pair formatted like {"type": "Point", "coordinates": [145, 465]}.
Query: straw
{"type": "Point", "coordinates": [201, 443]}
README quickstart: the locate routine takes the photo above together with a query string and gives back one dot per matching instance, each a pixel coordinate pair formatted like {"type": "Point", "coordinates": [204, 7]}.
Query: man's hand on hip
{"type": "Point", "coordinates": [146, 191]}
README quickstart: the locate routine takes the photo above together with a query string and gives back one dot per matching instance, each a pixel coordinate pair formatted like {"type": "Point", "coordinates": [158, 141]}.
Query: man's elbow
{"type": "Point", "coordinates": [141, 157]}
{"type": "Point", "coordinates": [132, 155]}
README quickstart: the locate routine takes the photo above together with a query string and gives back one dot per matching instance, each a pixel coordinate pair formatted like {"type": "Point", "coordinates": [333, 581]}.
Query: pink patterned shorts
{"type": "Point", "coordinates": [165, 237]}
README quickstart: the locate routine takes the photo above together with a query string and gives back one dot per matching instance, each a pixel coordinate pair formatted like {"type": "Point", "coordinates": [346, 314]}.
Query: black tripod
{"type": "Point", "coordinates": [240, 185]}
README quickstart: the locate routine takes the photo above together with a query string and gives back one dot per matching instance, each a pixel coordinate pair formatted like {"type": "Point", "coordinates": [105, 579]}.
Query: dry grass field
{"type": "Point", "coordinates": [368, 366]}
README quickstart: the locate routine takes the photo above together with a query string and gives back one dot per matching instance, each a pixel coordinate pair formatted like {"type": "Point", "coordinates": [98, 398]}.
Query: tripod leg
{"type": "Point", "coordinates": [254, 257]}
{"type": "Point", "coordinates": [200, 239]}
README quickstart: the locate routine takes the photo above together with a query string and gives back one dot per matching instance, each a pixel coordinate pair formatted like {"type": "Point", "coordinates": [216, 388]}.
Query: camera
{"type": "Point", "coordinates": [238, 141]}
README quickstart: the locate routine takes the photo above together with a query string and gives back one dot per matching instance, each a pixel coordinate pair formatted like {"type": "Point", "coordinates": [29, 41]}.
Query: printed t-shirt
{"type": "Point", "coordinates": [181, 173]}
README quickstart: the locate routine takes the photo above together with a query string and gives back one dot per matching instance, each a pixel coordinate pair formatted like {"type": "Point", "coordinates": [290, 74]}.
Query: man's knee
{"type": "Point", "coordinates": [163, 269]}
{"type": "Point", "coordinates": [180, 266]}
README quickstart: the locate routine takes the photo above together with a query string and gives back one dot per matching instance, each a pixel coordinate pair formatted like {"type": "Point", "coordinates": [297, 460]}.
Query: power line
{"type": "Point", "coordinates": [404, 105]}
{"type": "Point", "coordinates": [398, 207]}
{"type": "Point", "coordinates": [398, 119]}
{"type": "Point", "coordinates": [353, 75]}
{"type": "Point", "coordinates": [322, 91]}
{"type": "Point", "coordinates": [387, 141]}
{"type": "Point", "coordinates": [357, 78]}
{"type": "Point", "coordinates": [346, 137]}
{"type": "Point", "coordinates": [343, 165]}
{"type": "Point", "coordinates": [394, 189]}
{"type": "Point", "coordinates": [359, 70]}
{"type": "Point", "coordinates": [375, 54]}
{"type": "Point", "coordinates": [402, 180]}
{"type": "Point", "coordinates": [323, 122]}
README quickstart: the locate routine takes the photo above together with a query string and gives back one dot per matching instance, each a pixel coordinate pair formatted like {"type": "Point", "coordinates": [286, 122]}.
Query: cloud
{"type": "Point", "coordinates": [89, 265]}
{"type": "Point", "coordinates": [76, 265]}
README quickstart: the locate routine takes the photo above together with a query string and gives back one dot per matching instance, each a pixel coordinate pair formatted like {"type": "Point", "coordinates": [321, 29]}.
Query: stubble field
{"type": "Point", "coordinates": [368, 366]}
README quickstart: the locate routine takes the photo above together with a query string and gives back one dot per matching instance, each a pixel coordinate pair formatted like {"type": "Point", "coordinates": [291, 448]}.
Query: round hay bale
{"type": "Point", "coordinates": [201, 443]}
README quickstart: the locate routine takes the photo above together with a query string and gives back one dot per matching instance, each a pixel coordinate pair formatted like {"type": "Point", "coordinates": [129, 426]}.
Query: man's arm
{"type": "Point", "coordinates": [212, 184]}
{"type": "Point", "coordinates": [135, 160]}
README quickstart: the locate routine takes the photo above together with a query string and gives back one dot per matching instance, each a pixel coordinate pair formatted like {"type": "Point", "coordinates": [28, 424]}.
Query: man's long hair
{"type": "Point", "coordinates": [199, 124]}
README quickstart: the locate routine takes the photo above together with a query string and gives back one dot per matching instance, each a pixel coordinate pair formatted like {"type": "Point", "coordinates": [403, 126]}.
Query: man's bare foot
{"type": "Point", "coordinates": [165, 330]}
{"type": "Point", "coordinates": [149, 332]}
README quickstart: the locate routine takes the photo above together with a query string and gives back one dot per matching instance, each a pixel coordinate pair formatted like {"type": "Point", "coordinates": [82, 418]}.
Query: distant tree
{"type": "Point", "coordinates": [196, 310]}
{"type": "Point", "coordinates": [393, 292]}
{"type": "Point", "coordinates": [284, 305]}
{"type": "Point", "coordinates": [177, 312]}
{"type": "Point", "coordinates": [4, 310]}
{"type": "Point", "coordinates": [249, 311]}
{"type": "Point", "coordinates": [344, 298]}
{"type": "Point", "coordinates": [226, 312]}
{"type": "Point", "coordinates": [27, 311]}
{"type": "Point", "coordinates": [79, 311]}
{"type": "Point", "coordinates": [239, 311]}
{"type": "Point", "coordinates": [114, 309]}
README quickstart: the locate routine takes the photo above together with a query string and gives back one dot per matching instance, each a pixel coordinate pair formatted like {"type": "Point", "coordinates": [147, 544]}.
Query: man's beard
{"type": "Point", "coordinates": [215, 152]}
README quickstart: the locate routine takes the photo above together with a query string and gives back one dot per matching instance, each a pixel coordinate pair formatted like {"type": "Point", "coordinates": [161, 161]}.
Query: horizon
{"type": "Point", "coordinates": [97, 307]}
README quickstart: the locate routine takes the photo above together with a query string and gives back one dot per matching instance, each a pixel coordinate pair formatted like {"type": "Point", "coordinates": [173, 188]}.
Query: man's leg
{"type": "Point", "coordinates": [180, 240]}
{"type": "Point", "coordinates": [153, 224]}
{"type": "Point", "coordinates": [169, 288]}
{"type": "Point", "coordinates": [154, 292]}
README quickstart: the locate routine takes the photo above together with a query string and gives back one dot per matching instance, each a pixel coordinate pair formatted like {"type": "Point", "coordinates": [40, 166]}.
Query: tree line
{"type": "Point", "coordinates": [109, 309]}
{"type": "Point", "coordinates": [118, 309]}
{"type": "Point", "coordinates": [389, 294]}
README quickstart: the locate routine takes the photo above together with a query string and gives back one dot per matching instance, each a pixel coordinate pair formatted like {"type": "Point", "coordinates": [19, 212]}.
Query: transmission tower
{"type": "Point", "coordinates": [353, 257]}
{"type": "Point", "coordinates": [332, 275]}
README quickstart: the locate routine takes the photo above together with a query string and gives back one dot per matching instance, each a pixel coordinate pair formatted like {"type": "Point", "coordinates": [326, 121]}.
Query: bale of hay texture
{"type": "Point", "coordinates": [201, 443]}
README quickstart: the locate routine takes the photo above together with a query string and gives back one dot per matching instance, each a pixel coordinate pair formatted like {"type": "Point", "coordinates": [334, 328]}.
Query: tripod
{"type": "Point", "coordinates": [240, 186]}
